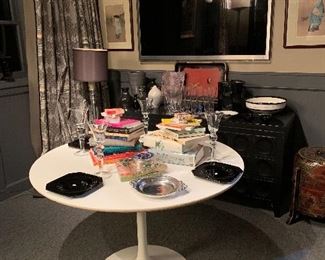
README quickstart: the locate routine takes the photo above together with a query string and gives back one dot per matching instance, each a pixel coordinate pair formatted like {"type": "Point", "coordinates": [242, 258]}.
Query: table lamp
{"type": "Point", "coordinates": [90, 65]}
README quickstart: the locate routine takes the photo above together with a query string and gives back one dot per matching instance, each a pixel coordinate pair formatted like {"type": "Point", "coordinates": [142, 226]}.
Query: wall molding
{"type": "Point", "coordinates": [292, 81]}
{"type": "Point", "coordinates": [282, 81]}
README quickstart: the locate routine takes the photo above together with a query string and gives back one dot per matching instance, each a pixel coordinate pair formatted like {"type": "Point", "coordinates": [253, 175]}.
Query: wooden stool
{"type": "Point", "coordinates": [308, 196]}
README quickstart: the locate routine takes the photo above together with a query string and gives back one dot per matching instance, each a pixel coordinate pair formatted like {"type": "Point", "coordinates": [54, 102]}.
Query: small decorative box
{"type": "Point", "coordinates": [190, 158]}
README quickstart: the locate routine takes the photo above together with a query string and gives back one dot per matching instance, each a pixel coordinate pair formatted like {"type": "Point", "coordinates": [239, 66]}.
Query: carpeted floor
{"type": "Point", "coordinates": [40, 229]}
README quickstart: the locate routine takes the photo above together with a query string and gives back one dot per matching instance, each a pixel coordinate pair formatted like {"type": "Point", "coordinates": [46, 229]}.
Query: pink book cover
{"type": "Point", "coordinates": [123, 123]}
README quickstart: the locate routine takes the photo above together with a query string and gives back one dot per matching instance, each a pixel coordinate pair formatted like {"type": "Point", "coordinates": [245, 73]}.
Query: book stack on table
{"type": "Point", "coordinates": [178, 140]}
{"type": "Point", "coordinates": [122, 140]}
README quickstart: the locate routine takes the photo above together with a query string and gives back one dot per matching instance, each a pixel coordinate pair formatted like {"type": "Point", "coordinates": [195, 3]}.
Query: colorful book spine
{"type": "Point", "coordinates": [175, 135]}
{"type": "Point", "coordinates": [125, 130]}
{"type": "Point", "coordinates": [119, 149]}
{"type": "Point", "coordinates": [112, 158]}
{"type": "Point", "coordinates": [124, 123]}
{"type": "Point", "coordinates": [124, 137]}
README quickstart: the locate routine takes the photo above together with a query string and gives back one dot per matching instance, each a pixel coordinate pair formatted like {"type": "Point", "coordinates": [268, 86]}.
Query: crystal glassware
{"type": "Point", "coordinates": [172, 90]}
{"type": "Point", "coordinates": [146, 107]}
{"type": "Point", "coordinates": [98, 130]}
{"type": "Point", "coordinates": [78, 119]}
{"type": "Point", "coordinates": [213, 119]}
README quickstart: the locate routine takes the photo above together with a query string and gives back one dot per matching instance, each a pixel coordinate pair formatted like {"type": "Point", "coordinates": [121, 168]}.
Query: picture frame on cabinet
{"type": "Point", "coordinates": [117, 24]}
{"type": "Point", "coordinates": [199, 77]}
{"type": "Point", "coordinates": [304, 24]}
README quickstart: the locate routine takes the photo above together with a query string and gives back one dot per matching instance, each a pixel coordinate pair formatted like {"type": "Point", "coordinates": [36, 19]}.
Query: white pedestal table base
{"type": "Point", "coordinates": [154, 252]}
{"type": "Point", "coordinates": [144, 251]}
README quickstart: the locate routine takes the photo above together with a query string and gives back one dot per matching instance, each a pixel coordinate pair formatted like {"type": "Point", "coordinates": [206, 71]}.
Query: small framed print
{"type": "Point", "coordinates": [304, 24]}
{"type": "Point", "coordinates": [117, 24]}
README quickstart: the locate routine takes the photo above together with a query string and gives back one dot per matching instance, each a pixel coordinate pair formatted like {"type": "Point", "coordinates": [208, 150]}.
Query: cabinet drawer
{"type": "Point", "coordinates": [253, 145]}
{"type": "Point", "coordinates": [258, 190]}
{"type": "Point", "coordinates": [262, 169]}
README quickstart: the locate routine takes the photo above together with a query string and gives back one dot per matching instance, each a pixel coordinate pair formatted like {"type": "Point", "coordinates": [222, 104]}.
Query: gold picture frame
{"type": "Point", "coordinates": [117, 24]}
{"type": "Point", "coordinates": [304, 24]}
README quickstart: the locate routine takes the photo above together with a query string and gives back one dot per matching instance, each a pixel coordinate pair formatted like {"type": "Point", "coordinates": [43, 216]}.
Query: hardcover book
{"type": "Point", "coordinates": [112, 158]}
{"type": "Point", "coordinates": [126, 129]}
{"type": "Point", "coordinates": [125, 137]}
{"type": "Point", "coordinates": [175, 135]}
{"type": "Point", "coordinates": [115, 142]}
{"type": "Point", "coordinates": [156, 140]}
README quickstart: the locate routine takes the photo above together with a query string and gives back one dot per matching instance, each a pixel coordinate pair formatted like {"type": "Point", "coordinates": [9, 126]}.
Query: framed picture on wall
{"type": "Point", "coordinates": [117, 25]}
{"type": "Point", "coordinates": [304, 24]}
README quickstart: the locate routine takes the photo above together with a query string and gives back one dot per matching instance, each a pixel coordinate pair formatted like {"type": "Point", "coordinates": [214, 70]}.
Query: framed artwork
{"type": "Point", "coordinates": [202, 79]}
{"type": "Point", "coordinates": [304, 24]}
{"type": "Point", "coordinates": [117, 25]}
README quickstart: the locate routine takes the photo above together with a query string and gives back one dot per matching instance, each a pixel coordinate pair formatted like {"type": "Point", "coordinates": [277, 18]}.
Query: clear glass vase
{"type": "Point", "coordinates": [172, 90]}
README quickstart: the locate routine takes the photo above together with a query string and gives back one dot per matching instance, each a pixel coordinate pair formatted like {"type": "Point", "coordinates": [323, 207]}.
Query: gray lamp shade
{"type": "Point", "coordinates": [90, 65]}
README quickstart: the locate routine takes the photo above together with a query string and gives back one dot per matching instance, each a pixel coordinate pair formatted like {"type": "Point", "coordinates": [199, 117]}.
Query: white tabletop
{"type": "Point", "coordinates": [117, 196]}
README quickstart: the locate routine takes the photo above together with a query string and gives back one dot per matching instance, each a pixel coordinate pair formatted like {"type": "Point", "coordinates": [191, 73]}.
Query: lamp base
{"type": "Point", "coordinates": [93, 112]}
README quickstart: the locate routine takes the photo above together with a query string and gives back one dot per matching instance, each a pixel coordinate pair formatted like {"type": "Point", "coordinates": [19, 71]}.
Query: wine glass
{"type": "Point", "coordinates": [98, 130]}
{"type": "Point", "coordinates": [78, 118]}
{"type": "Point", "coordinates": [213, 119]}
{"type": "Point", "coordinates": [146, 107]}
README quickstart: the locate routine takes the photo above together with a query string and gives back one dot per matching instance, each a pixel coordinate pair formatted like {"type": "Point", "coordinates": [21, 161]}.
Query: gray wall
{"type": "Point", "coordinates": [305, 94]}
{"type": "Point", "coordinates": [16, 154]}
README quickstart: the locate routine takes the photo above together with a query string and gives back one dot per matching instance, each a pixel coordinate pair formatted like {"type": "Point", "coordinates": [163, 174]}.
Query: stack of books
{"type": "Point", "coordinates": [124, 133]}
{"type": "Point", "coordinates": [122, 140]}
{"type": "Point", "coordinates": [178, 141]}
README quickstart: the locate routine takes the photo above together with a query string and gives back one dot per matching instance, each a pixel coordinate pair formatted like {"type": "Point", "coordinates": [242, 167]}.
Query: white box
{"type": "Point", "coordinates": [190, 158]}
{"type": "Point", "coordinates": [156, 141]}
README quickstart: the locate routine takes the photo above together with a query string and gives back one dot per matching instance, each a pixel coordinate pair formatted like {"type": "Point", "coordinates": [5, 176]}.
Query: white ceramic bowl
{"type": "Point", "coordinates": [266, 105]}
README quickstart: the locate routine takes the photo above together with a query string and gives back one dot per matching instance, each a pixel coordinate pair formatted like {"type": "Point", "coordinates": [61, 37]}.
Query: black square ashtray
{"type": "Point", "coordinates": [75, 184]}
{"type": "Point", "coordinates": [217, 172]}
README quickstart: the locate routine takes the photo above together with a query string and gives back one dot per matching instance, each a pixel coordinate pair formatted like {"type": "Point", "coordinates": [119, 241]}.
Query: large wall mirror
{"type": "Point", "coordinates": [204, 29]}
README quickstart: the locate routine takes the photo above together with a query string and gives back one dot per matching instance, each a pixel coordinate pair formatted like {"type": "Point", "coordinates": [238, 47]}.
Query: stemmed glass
{"type": "Point", "coordinates": [209, 99]}
{"type": "Point", "coordinates": [78, 117]}
{"type": "Point", "coordinates": [98, 130]}
{"type": "Point", "coordinates": [146, 107]}
{"type": "Point", "coordinates": [213, 119]}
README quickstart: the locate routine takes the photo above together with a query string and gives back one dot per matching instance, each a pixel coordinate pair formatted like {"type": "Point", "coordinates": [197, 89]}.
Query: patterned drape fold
{"type": "Point", "coordinates": [223, 36]}
{"type": "Point", "coordinates": [61, 26]}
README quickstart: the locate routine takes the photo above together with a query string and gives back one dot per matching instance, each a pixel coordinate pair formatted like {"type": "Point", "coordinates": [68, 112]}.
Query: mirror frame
{"type": "Point", "coordinates": [260, 57]}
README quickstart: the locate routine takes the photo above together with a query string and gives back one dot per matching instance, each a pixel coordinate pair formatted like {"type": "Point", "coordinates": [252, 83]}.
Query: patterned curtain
{"type": "Point", "coordinates": [61, 26]}
{"type": "Point", "coordinates": [223, 36]}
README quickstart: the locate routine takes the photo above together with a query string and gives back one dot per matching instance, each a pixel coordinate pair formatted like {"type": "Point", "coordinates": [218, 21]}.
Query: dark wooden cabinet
{"type": "Point", "coordinates": [267, 146]}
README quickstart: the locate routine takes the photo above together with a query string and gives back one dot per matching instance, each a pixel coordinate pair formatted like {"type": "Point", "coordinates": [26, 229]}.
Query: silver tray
{"type": "Point", "coordinates": [158, 187]}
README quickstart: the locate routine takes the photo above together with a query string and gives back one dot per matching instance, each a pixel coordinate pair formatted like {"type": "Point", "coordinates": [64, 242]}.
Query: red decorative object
{"type": "Point", "coordinates": [201, 79]}
{"type": "Point", "coordinates": [309, 184]}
